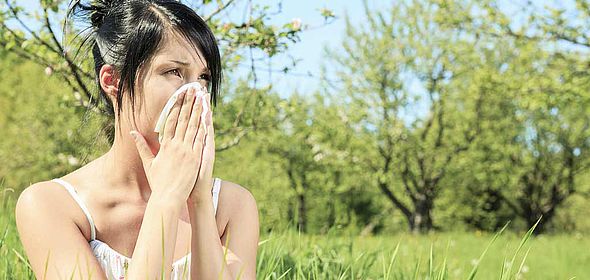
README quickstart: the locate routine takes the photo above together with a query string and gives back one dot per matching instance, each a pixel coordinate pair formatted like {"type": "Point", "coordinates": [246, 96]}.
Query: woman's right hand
{"type": "Point", "coordinates": [172, 173]}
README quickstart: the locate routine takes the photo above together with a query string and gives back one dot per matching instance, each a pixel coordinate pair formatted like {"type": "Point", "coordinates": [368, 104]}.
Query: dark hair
{"type": "Point", "coordinates": [127, 33]}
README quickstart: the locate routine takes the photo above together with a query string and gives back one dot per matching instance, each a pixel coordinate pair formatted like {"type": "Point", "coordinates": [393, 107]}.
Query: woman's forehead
{"type": "Point", "coordinates": [177, 48]}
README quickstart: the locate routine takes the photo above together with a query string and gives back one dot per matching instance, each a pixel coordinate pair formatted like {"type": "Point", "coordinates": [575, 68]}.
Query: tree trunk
{"type": "Point", "coordinates": [331, 202]}
{"type": "Point", "coordinates": [301, 217]}
{"type": "Point", "coordinates": [331, 219]}
{"type": "Point", "coordinates": [532, 216]}
{"type": "Point", "coordinates": [291, 213]}
{"type": "Point", "coordinates": [421, 219]}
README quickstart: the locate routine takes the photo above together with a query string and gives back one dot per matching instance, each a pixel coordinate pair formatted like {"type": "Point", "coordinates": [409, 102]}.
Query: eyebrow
{"type": "Point", "coordinates": [180, 62]}
{"type": "Point", "coordinates": [206, 69]}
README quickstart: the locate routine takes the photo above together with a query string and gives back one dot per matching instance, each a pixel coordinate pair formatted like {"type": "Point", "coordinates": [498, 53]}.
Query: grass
{"type": "Point", "coordinates": [291, 255]}
{"type": "Point", "coordinates": [437, 256]}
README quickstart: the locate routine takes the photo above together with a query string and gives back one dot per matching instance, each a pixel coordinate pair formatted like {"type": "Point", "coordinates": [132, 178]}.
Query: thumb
{"type": "Point", "coordinates": [145, 153]}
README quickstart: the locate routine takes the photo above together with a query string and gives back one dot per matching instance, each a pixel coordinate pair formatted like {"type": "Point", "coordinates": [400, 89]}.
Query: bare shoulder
{"type": "Point", "coordinates": [47, 227]}
{"type": "Point", "coordinates": [38, 196]}
{"type": "Point", "coordinates": [50, 198]}
{"type": "Point", "coordinates": [234, 193]}
{"type": "Point", "coordinates": [235, 201]}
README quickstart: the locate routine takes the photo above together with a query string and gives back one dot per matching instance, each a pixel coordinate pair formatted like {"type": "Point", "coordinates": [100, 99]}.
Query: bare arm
{"type": "Point", "coordinates": [154, 251]}
{"type": "Point", "coordinates": [242, 233]}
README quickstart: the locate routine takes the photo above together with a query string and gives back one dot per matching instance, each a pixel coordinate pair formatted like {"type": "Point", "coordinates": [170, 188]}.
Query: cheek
{"type": "Point", "coordinates": [149, 124]}
{"type": "Point", "coordinates": [155, 99]}
{"type": "Point", "coordinates": [156, 95]}
{"type": "Point", "coordinates": [153, 110]}
{"type": "Point", "coordinates": [146, 114]}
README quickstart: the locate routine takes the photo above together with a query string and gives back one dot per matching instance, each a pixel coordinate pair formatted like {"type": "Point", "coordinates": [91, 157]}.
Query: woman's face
{"type": "Point", "coordinates": [175, 64]}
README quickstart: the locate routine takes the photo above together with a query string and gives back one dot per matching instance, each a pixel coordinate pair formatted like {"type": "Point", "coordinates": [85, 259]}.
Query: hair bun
{"type": "Point", "coordinates": [95, 11]}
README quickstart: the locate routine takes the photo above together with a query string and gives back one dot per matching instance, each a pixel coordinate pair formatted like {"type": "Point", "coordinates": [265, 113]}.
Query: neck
{"type": "Point", "coordinates": [123, 167]}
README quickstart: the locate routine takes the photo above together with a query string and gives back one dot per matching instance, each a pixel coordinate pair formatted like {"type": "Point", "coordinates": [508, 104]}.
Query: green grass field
{"type": "Point", "coordinates": [289, 255]}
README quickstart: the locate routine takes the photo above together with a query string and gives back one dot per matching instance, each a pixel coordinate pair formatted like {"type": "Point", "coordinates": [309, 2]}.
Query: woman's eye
{"type": "Point", "coordinates": [175, 70]}
{"type": "Point", "coordinates": [205, 77]}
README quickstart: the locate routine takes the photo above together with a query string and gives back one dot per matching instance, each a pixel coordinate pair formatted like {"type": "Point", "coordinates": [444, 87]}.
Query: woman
{"type": "Point", "coordinates": [138, 210]}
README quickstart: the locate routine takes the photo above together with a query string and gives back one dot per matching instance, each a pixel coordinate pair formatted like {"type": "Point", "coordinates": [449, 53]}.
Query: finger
{"type": "Point", "coordinates": [199, 148]}
{"type": "Point", "coordinates": [206, 170]}
{"type": "Point", "coordinates": [202, 105]}
{"type": "Point", "coordinates": [145, 153]}
{"type": "Point", "coordinates": [199, 142]}
{"type": "Point", "coordinates": [194, 122]}
{"type": "Point", "coordinates": [172, 118]}
{"type": "Point", "coordinates": [185, 113]}
{"type": "Point", "coordinates": [210, 130]}
{"type": "Point", "coordinates": [209, 120]}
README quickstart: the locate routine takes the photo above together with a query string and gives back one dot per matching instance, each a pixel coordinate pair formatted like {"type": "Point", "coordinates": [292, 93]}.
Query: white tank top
{"type": "Point", "coordinates": [115, 264]}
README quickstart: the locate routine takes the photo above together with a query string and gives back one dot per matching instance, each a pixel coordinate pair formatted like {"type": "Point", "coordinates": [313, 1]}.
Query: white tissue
{"type": "Point", "coordinates": [200, 95]}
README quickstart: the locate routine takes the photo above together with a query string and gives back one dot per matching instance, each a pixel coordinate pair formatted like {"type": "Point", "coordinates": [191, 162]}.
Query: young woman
{"type": "Point", "coordinates": [145, 209]}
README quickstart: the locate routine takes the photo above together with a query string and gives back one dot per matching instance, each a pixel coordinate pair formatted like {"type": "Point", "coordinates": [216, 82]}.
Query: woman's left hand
{"type": "Point", "coordinates": [204, 184]}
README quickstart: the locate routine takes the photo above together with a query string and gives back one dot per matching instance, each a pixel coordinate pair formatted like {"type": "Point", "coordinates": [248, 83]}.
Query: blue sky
{"type": "Point", "coordinates": [309, 51]}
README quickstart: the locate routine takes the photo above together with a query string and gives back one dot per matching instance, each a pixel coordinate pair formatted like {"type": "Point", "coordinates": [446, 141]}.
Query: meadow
{"type": "Point", "coordinates": [288, 254]}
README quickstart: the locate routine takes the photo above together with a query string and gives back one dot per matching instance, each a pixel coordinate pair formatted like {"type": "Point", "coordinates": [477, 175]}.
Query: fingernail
{"type": "Point", "coordinates": [133, 134]}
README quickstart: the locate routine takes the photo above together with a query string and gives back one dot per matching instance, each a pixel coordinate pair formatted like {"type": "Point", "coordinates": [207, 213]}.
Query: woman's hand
{"type": "Point", "coordinates": [172, 173]}
{"type": "Point", "coordinates": [204, 182]}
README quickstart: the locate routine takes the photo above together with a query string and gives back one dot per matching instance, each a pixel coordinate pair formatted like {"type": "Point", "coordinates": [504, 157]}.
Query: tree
{"type": "Point", "coordinates": [293, 144]}
{"type": "Point", "coordinates": [391, 69]}
{"type": "Point", "coordinates": [543, 144]}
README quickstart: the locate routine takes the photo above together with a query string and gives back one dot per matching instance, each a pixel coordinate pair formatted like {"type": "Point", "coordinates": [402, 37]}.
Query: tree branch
{"type": "Point", "coordinates": [218, 10]}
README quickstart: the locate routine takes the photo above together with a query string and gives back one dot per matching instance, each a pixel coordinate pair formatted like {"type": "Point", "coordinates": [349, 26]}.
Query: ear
{"type": "Point", "coordinates": [109, 80]}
